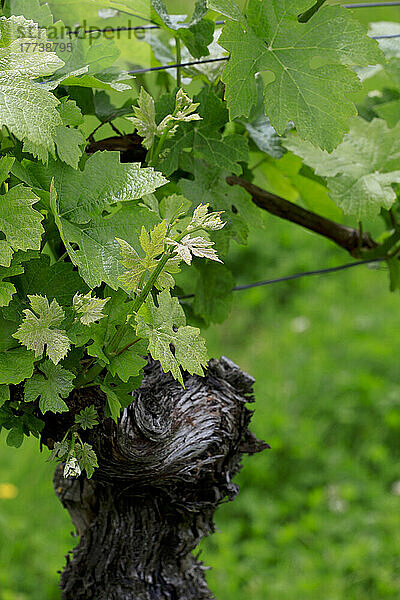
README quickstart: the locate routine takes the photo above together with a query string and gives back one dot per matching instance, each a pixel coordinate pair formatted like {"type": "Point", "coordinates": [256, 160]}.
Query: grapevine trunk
{"type": "Point", "coordinates": [164, 470]}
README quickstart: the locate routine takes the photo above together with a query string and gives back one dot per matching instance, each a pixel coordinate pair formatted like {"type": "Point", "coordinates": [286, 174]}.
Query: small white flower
{"type": "Point", "coordinates": [72, 468]}
{"type": "Point", "coordinates": [197, 246]}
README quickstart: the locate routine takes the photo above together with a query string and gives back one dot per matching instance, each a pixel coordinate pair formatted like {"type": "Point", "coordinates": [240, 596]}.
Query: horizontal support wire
{"type": "Point", "coordinates": [371, 4]}
{"type": "Point", "coordinates": [177, 65]}
{"type": "Point", "coordinates": [145, 27]}
{"type": "Point", "coordinates": [249, 286]}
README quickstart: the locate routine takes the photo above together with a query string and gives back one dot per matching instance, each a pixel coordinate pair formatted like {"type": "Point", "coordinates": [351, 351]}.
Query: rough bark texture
{"type": "Point", "coordinates": [163, 472]}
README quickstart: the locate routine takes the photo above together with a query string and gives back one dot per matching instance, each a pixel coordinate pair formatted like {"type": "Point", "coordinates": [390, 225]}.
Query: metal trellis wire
{"type": "Point", "coordinates": [249, 286]}
{"type": "Point", "coordinates": [154, 26]}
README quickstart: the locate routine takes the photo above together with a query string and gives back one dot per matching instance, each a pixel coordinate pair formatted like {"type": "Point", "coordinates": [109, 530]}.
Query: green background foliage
{"type": "Point", "coordinates": [319, 514]}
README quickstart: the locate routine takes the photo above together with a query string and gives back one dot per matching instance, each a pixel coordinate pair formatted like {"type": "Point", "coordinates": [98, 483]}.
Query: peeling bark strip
{"type": "Point", "coordinates": [163, 472]}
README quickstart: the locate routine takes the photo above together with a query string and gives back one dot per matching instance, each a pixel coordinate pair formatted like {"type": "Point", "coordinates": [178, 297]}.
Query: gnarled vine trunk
{"type": "Point", "coordinates": [163, 471]}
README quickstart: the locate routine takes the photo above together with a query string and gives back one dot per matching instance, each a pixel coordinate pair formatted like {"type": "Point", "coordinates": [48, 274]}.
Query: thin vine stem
{"type": "Point", "coordinates": [178, 61]}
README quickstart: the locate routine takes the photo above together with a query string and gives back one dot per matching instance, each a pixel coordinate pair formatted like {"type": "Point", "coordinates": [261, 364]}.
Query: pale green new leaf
{"type": "Point", "coordinates": [153, 245]}
{"type": "Point", "coordinates": [19, 222]}
{"type": "Point", "coordinates": [197, 246]}
{"type": "Point", "coordinates": [145, 118]}
{"type": "Point", "coordinates": [205, 140]}
{"type": "Point", "coordinates": [38, 331]}
{"type": "Point", "coordinates": [89, 309]}
{"type": "Point", "coordinates": [26, 108]}
{"type": "Point", "coordinates": [52, 385]}
{"type": "Point", "coordinates": [173, 207]}
{"type": "Point", "coordinates": [164, 325]}
{"type": "Point", "coordinates": [361, 171]}
{"type": "Point", "coordinates": [307, 75]}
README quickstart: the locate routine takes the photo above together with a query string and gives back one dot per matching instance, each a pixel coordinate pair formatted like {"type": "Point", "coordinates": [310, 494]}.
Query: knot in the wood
{"type": "Point", "coordinates": [152, 416]}
{"type": "Point", "coordinates": [172, 434]}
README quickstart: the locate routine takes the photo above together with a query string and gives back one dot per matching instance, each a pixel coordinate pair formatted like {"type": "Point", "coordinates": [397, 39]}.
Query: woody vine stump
{"type": "Point", "coordinates": [163, 471]}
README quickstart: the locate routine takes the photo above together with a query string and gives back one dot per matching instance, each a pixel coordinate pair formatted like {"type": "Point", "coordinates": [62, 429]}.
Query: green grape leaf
{"type": "Point", "coordinates": [259, 126]}
{"type": "Point", "coordinates": [389, 111]}
{"type": "Point", "coordinates": [123, 390]}
{"type": "Point", "coordinates": [6, 163]}
{"type": "Point", "coordinates": [87, 458]}
{"type": "Point", "coordinates": [69, 144]}
{"type": "Point", "coordinates": [28, 110]}
{"type": "Point", "coordinates": [87, 418]}
{"type": "Point", "coordinates": [164, 325]}
{"type": "Point", "coordinates": [130, 362]}
{"type": "Point", "coordinates": [361, 171]}
{"type": "Point", "coordinates": [205, 138]}
{"type": "Point", "coordinates": [31, 9]}
{"type": "Point", "coordinates": [198, 37]}
{"type": "Point", "coordinates": [228, 8]}
{"type": "Point", "coordinates": [308, 79]}
{"type": "Point", "coordinates": [19, 222]}
{"type": "Point", "coordinates": [87, 222]}
{"type": "Point", "coordinates": [98, 253]}
{"type": "Point", "coordinates": [113, 406]}
{"type": "Point", "coordinates": [84, 195]}
{"type": "Point", "coordinates": [57, 281]}
{"type": "Point", "coordinates": [16, 363]}
{"type": "Point", "coordinates": [52, 384]}
{"type": "Point", "coordinates": [4, 394]}
{"type": "Point", "coordinates": [8, 289]}
{"type": "Point", "coordinates": [39, 332]}
{"type": "Point", "coordinates": [70, 113]}
{"type": "Point", "coordinates": [15, 437]}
